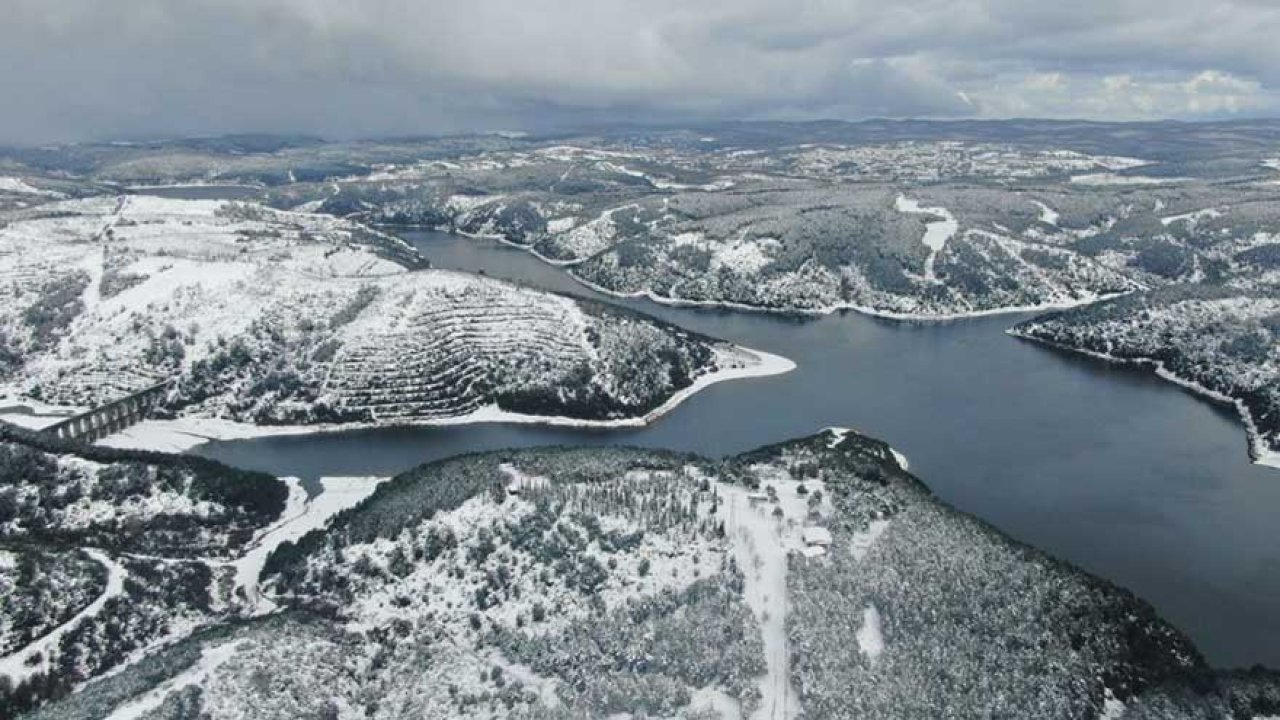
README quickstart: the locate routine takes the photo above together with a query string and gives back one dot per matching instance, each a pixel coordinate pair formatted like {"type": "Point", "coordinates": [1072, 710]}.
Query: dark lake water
{"type": "Point", "coordinates": [1110, 468]}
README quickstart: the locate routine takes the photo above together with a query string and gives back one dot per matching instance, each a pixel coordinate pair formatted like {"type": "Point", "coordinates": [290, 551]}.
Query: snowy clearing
{"type": "Point", "coordinates": [870, 637]}
{"type": "Point", "coordinates": [936, 233]}
{"type": "Point", "coordinates": [301, 515]}
{"type": "Point", "coordinates": [760, 553]}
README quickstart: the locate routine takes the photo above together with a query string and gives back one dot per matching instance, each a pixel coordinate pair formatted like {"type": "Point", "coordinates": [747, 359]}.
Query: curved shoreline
{"type": "Point", "coordinates": [1259, 452]}
{"type": "Point", "coordinates": [650, 295]}
{"type": "Point", "coordinates": [849, 307]}
{"type": "Point", "coordinates": [185, 433]}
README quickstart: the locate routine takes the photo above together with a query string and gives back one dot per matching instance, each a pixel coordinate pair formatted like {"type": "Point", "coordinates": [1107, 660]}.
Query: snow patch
{"type": "Point", "coordinates": [1191, 218]}
{"type": "Point", "coordinates": [900, 459]}
{"type": "Point", "coordinates": [712, 700]}
{"type": "Point", "coordinates": [837, 436]}
{"type": "Point", "coordinates": [1114, 179]}
{"type": "Point", "coordinates": [1112, 708]}
{"type": "Point", "coordinates": [31, 421]}
{"type": "Point", "coordinates": [18, 185]}
{"type": "Point", "coordinates": [870, 636]}
{"type": "Point", "coordinates": [1048, 215]}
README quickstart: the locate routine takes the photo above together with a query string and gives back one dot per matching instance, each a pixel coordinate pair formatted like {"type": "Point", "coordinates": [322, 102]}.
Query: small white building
{"type": "Point", "coordinates": [813, 551]}
{"type": "Point", "coordinates": [815, 536]}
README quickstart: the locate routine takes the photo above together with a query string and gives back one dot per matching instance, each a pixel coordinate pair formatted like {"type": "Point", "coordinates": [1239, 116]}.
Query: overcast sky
{"type": "Point", "coordinates": [96, 69]}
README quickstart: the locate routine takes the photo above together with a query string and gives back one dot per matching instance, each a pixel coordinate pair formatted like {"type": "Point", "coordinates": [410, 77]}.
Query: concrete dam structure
{"type": "Point", "coordinates": [110, 418]}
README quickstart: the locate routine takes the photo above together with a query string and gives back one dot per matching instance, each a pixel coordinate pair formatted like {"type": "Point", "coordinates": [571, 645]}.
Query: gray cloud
{"type": "Point", "coordinates": [75, 69]}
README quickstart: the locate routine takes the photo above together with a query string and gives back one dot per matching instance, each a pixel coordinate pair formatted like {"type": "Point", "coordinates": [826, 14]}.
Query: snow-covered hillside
{"type": "Point", "coordinates": [273, 317]}
{"type": "Point", "coordinates": [104, 554]}
{"type": "Point", "coordinates": [814, 578]}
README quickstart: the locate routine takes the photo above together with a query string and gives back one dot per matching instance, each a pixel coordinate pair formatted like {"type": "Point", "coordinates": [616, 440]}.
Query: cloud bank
{"type": "Point", "coordinates": [81, 69]}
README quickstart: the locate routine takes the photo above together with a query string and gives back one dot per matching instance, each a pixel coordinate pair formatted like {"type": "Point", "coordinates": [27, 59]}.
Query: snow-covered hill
{"type": "Point", "coordinates": [812, 578]}
{"type": "Point", "coordinates": [915, 229]}
{"type": "Point", "coordinates": [273, 317]}
{"type": "Point", "coordinates": [105, 554]}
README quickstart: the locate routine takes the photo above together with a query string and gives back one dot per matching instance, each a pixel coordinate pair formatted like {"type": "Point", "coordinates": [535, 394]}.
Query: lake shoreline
{"type": "Point", "coordinates": [650, 295]}
{"type": "Point", "coordinates": [1259, 452]}
{"type": "Point", "coordinates": [186, 433]}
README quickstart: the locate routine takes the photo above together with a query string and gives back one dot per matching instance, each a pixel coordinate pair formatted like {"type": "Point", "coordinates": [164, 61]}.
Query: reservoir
{"type": "Point", "coordinates": [1110, 468]}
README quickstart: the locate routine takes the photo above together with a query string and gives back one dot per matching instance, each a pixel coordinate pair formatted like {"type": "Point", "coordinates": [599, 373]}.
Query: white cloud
{"type": "Point", "coordinates": [1124, 96]}
{"type": "Point", "coordinates": [85, 67]}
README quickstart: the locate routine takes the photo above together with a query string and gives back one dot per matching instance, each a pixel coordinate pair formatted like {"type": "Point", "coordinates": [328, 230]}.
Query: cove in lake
{"type": "Point", "coordinates": [1108, 467]}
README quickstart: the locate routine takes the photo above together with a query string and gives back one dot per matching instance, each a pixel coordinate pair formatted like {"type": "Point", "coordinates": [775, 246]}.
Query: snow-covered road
{"type": "Point", "coordinates": [760, 551]}
{"type": "Point", "coordinates": [197, 674]}
{"type": "Point", "coordinates": [23, 663]}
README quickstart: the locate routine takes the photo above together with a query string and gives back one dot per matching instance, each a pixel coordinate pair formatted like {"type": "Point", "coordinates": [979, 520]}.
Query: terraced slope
{"type": "Point", "coordinates": [274, 317]}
